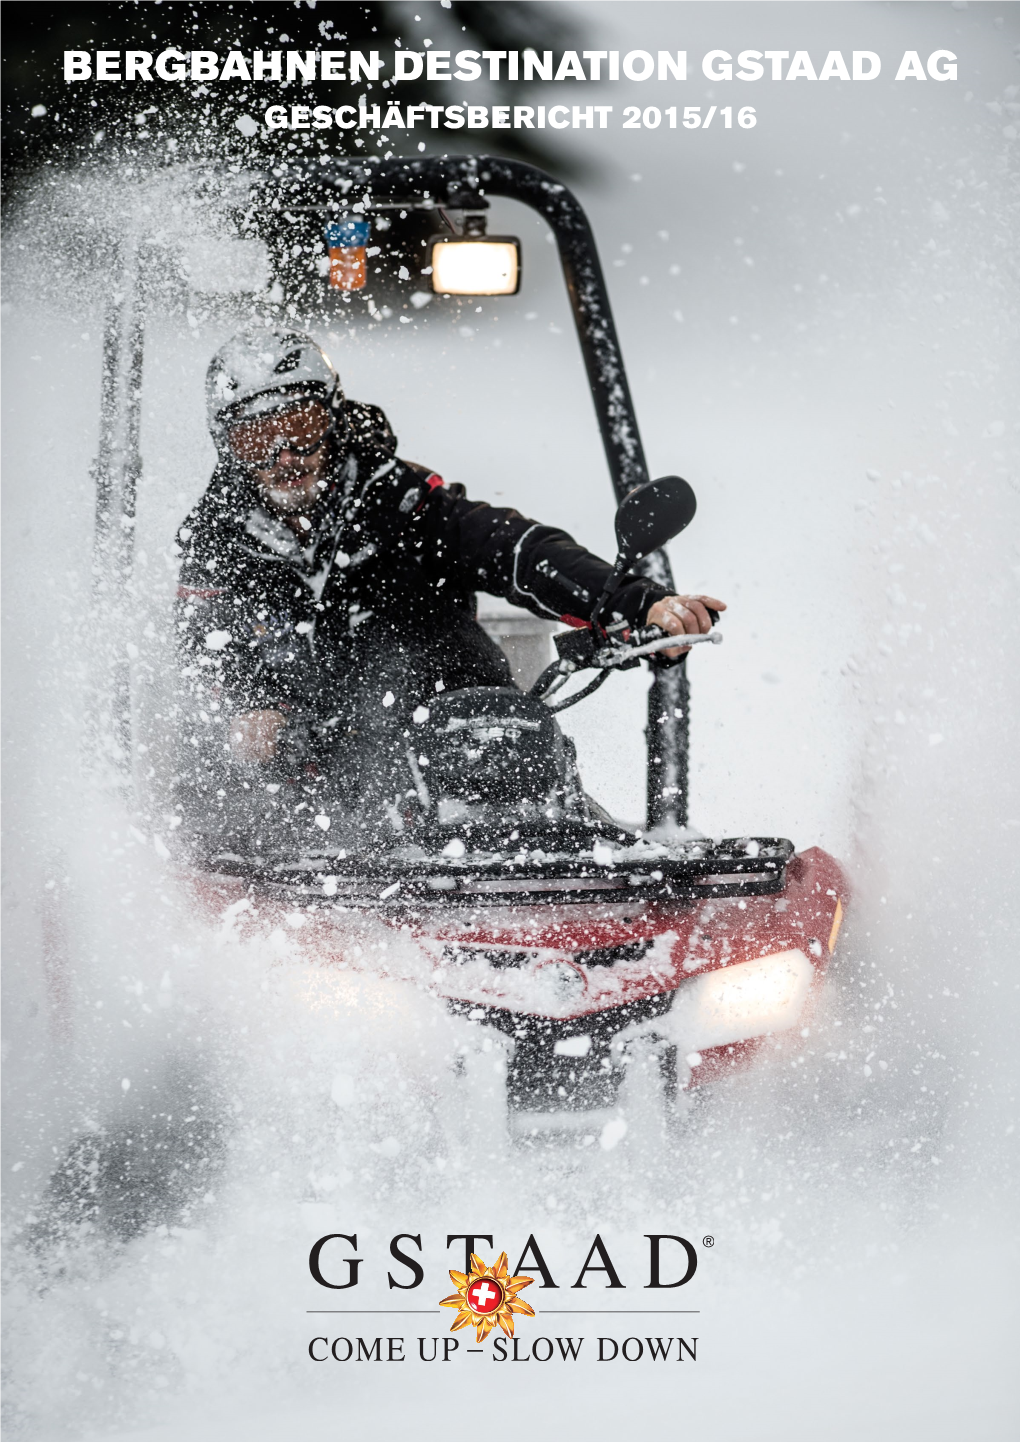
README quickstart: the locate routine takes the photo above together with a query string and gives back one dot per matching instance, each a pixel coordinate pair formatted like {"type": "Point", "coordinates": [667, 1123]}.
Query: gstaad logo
{"type": "Point", "coordinates": [486, 1296]}
{"type": "Point", "coordinates": [331, 1268]}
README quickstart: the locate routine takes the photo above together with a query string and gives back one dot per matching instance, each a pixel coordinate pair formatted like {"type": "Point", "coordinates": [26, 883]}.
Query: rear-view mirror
{"type": "Point", "coordinates": [653, 514]}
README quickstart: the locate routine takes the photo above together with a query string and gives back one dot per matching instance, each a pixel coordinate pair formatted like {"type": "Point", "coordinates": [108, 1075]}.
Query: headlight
{"type": "Point", "coordinates": [476, 265]}
{"type": "Point", "coordinates": [742, 1001]}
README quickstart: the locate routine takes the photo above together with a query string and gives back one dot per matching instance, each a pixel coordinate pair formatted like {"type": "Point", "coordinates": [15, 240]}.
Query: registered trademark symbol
{"type": "Point", "coordinates": [708, 1241]}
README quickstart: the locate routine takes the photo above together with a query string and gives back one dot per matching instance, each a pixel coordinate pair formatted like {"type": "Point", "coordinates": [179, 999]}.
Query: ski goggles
{"type": "Point", "coordinates": [301, 428]}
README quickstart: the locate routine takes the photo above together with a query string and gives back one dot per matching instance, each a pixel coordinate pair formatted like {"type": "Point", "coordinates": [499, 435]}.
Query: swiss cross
{"type": "Point", "coordinates": [484, 1297]}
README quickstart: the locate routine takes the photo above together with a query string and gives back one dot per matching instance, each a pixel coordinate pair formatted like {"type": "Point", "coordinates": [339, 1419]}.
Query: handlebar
{"type": "Point", "coordinates": [579, 651]}
{"type": "Point", "coordinates": [646, 640]}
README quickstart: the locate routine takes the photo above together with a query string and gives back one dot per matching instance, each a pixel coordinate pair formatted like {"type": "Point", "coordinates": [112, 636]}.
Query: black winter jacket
{"type": "Point", "coordinates": [271, 622]}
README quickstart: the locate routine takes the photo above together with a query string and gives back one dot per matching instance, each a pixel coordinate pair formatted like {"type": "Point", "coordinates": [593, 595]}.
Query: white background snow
{"type": "Point", "coordinates": [819, 318]}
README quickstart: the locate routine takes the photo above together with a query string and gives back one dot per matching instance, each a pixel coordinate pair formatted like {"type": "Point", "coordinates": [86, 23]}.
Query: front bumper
{"type": "Point", "coordinates": [706, 988]}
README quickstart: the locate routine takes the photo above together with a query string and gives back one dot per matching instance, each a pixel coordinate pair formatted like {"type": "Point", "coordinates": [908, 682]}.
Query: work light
{"type": "Point", "coordinates": [475, 263]}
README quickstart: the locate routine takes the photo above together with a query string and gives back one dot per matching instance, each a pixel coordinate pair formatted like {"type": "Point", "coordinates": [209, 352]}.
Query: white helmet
{"type": "Point", "coordinates": [261, 369]}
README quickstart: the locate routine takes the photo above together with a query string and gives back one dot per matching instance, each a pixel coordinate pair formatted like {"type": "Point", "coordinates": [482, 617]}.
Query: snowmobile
{"type": "Point", "coordinates": [581, 944]}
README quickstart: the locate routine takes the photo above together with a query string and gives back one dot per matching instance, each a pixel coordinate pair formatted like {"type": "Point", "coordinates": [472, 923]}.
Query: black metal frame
{"type": "Point", "coordinates": [116, 473]}
{"type": "Point", "coordinates": [466, 183]}
{"type": "Point", "coordinates": [391, 883]}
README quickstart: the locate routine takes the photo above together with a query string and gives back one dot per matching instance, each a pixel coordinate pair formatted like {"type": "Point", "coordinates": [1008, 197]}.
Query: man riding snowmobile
{"type": "Point", "coordinates": [327, 588]}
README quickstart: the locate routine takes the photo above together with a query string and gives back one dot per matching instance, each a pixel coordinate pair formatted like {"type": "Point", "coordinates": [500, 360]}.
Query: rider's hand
{"type": "Point", "coordinates": [683, 616]}
{"type": "Point", "coordinates": [254, 734]}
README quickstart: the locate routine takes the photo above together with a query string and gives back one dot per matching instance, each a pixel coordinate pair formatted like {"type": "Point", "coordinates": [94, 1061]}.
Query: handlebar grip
{"type": "Point", "coordinates": [643, 635]}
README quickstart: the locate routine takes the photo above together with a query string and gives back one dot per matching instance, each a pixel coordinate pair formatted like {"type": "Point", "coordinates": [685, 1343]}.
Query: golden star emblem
{"type": "Point", "coordinates": [486, 1296]}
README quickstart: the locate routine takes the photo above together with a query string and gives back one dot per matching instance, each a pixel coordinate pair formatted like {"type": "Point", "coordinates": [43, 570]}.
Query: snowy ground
{"type": "Point", "coordinates": [840, 391]}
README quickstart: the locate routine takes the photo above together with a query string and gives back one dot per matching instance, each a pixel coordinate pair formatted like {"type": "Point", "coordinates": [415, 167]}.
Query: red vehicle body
{"type": "Point", "coordinates": [570, 983]}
